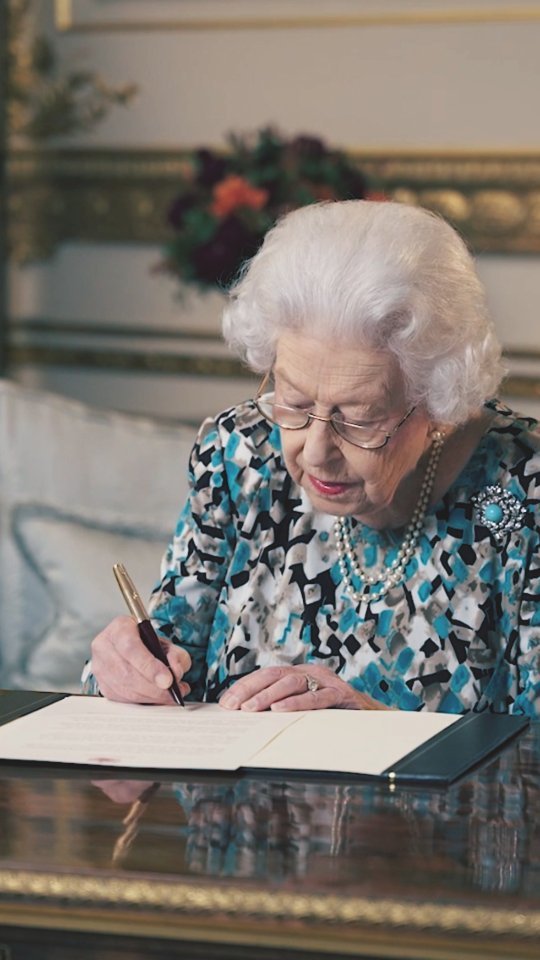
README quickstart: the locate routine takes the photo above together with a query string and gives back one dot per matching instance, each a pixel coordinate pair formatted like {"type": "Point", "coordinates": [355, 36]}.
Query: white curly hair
{"type": "Point", "coordinates": [385, 275]}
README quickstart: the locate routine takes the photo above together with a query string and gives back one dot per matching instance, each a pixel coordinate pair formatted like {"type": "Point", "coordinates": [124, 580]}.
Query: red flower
{"type": "Point", "coordinates": [234, 192]}
{"type": "Point", "coordinates": [377, 196]}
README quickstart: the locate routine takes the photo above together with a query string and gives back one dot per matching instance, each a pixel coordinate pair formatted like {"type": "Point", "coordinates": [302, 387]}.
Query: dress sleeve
{"type": "Point", "coordinates": [195, 563]}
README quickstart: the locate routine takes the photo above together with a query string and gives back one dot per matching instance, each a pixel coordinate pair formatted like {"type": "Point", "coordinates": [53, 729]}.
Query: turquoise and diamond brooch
{"type": "Point", "coordinates": [501, 512]}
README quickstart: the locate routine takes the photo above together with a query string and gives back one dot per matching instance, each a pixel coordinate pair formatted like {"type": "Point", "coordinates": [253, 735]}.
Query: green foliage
{"type": "Point", "coordinates": [46, 100]}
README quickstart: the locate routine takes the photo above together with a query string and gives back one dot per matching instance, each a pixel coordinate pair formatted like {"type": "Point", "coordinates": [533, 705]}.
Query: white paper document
{"type": "Point", "coordinates": [93, 730]}
{"type": "Point", "coordinates": [96, 731]}
{"type": "Point", "coordinates": [351, 741]}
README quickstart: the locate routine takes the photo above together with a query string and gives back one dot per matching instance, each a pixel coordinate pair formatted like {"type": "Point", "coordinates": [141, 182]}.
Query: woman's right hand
{"type": "Point", "coordinates": [125, 670]}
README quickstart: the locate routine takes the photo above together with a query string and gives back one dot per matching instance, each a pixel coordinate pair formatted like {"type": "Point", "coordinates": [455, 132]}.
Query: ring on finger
{"type": "Point", "coordinates": [311, 683]}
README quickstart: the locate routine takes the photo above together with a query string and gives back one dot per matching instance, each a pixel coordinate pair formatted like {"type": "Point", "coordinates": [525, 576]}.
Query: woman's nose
{"type": "Point", "coordinates": [320, 442]}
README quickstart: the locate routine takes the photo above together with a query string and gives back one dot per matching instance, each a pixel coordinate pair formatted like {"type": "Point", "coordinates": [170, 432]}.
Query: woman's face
{"type": "Point", "coordinates": [379, 487]}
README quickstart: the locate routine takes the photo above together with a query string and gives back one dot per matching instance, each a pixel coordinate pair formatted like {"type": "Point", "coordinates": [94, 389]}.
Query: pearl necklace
{"type": "Point", "coordinates": [379, 582]}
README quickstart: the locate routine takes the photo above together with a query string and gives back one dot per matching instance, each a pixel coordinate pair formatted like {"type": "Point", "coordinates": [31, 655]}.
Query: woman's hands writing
{"type": "Point", "coordinates": [288, 688]}
{"type": "Point", "coordinates": [126, 671]}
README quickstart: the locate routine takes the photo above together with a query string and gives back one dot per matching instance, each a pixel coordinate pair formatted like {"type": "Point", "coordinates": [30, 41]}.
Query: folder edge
{"type": "Point", "coordinates": [455, 751]}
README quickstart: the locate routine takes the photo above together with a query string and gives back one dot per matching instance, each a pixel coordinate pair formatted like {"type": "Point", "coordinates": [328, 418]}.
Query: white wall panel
{"type": "Point", "coordinates": [467, 82]}
{"type": "Point", "coordinates": [471, 85]}
{"type": "Point", "coordinates": [513, 285]}
{"type": "Point", "coordinates": [189, 399]}
{"type": "Point", "coordinates": [98, 283]}
{"type": "Point", "coordinates": [119, 284]}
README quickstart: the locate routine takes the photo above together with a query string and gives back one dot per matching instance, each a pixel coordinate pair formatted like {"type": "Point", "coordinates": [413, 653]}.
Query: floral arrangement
{"type": "Point", "coordinates": [227, 201]}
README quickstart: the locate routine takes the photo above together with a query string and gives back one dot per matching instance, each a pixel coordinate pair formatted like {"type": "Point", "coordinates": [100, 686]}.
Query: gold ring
{"type": "Point", "coordinates": [311, 683]}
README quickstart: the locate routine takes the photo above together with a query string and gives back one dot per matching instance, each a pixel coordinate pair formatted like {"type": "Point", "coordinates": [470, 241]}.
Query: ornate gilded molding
{"type": "Point", "coordinates": [67, 19]}
{"type": "Point", "coordinates": [98, 329]}
{"type": "Point", "coordinates": [522, 353]}
{"type": "Point", "coordinates": [35, 343]}
{"type": "Point", "coordinates": [521, 387]}
{"type": "Point", "coordinates": [517, 386]}
{"type": "Point", "coordinates": [131, 361]}
{"type": "Point", "coordinates": [115, 196]}
{"type": "Point", "coordinates": [239, 902]}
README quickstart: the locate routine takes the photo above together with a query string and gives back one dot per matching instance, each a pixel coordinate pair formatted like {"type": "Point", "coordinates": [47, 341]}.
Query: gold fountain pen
{"type": "Point", "coordinates": [146, 631]}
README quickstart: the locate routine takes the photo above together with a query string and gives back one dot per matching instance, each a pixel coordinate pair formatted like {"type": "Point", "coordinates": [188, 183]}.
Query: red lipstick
{"type": "Point", "coordinates": [327, 488]}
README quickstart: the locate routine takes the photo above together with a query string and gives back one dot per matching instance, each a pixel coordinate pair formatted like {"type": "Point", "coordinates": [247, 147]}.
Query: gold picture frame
{"type": "Point", "coordinates": [124, 15]}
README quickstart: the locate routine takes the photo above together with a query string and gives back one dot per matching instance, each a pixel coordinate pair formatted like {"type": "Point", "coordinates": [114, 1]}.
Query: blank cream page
{"type": "Point", "coordinates": [351, 741]}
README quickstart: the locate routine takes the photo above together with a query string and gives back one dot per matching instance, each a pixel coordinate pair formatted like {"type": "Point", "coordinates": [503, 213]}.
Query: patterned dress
{"type": "Point", "coordinates": [251, 578]}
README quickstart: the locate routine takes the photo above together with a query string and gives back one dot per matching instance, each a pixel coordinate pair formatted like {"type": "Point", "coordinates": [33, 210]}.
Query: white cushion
{"type": "Point", "coordinates": [80, 489]}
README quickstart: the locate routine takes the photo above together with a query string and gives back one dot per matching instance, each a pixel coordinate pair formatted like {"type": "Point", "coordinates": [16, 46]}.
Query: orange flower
{"type": "Point", "coordinates": [234, 192]}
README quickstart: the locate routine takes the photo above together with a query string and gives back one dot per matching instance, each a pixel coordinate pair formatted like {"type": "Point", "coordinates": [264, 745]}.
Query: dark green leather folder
{"type": "Point", "coordinates": [440, 760]}
{"type": "Point", "coordinates": [458, 749]}
{"type": "Point", "coordinates": [16, 703]}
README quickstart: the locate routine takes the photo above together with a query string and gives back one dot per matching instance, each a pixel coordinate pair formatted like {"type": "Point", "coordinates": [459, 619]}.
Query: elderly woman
{"type": "Point", "coordinates": [364, 532]}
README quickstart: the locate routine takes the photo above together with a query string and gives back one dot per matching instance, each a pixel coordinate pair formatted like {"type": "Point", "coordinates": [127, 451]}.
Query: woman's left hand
{"type": "Point", "coordinates": [302, 687]}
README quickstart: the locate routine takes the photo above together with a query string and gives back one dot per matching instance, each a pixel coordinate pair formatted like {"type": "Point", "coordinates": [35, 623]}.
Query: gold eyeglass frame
{"type": "Point", "coordinates": [332, 419]}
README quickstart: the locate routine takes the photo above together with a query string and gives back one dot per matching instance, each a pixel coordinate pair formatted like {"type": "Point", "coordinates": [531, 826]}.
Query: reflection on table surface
{"type": "Point", "coordinates": [477, 840]}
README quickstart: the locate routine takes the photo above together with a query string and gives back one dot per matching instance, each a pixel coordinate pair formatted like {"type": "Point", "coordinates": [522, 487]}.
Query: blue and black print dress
{"type": "Point", "coordinates": [251, 578]}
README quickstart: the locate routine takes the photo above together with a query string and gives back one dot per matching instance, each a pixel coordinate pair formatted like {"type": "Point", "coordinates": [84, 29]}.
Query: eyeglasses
{"type": "Point", "coordinates": [294, 418]}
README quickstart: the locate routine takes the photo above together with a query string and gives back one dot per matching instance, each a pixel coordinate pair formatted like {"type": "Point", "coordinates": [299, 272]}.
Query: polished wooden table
{"type": "Point", "coordinates": [244, 867]}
